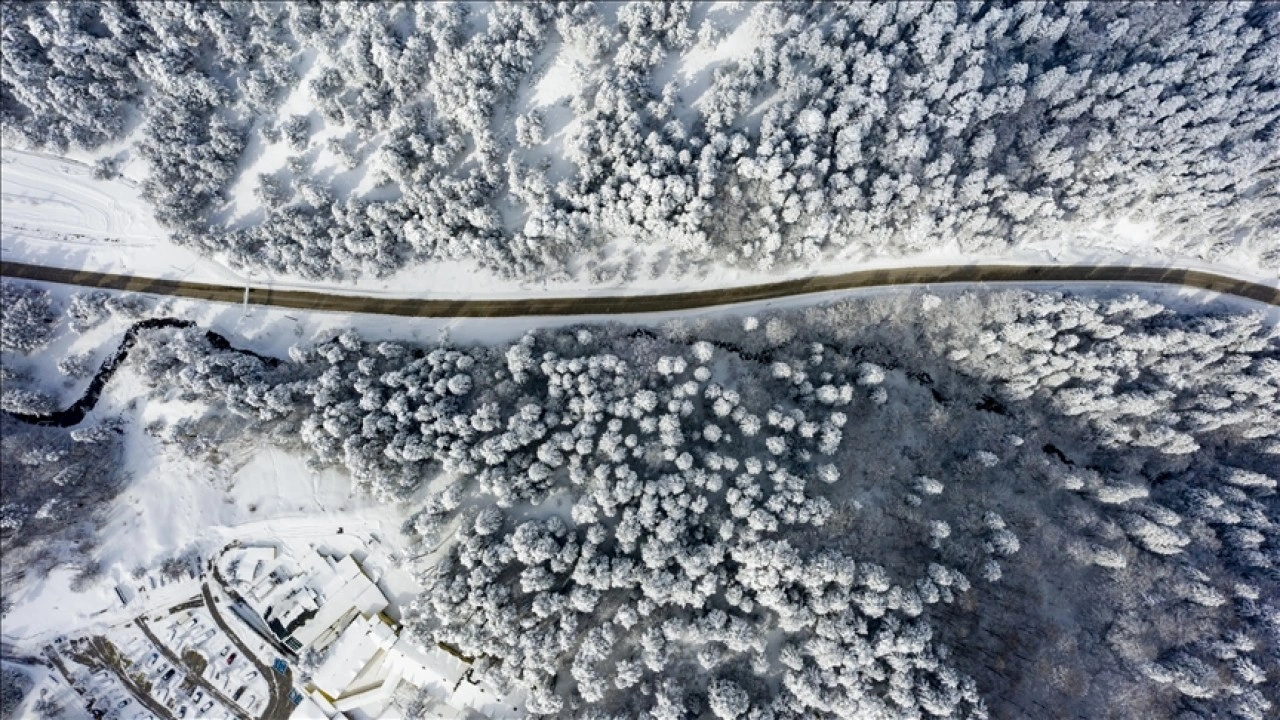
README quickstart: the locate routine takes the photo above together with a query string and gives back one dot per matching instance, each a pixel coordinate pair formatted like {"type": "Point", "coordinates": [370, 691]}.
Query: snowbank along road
{"type": "Point", "coordinates": [625, 305]}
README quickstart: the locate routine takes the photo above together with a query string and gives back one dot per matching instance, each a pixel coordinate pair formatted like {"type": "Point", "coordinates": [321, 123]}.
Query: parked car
{"type": "Point", "coordinates": [253, 674]}
{"type": "Point", "coordinates": [231, 658]}
{"type": "Point", "coordinates": [123, 702]}
{"type": "Point", "coordinates": [225, 650]}
{"type": "Point", "coordinates": [169, 675]}
{"type": "Point", "coordinates": [207, 707]}
{"type": "Point", "coordinates": [239, 692]}
{"type": "Point", "coordinates": [198, 696]}
{"type": "Point", "coordinates": [182, 711]}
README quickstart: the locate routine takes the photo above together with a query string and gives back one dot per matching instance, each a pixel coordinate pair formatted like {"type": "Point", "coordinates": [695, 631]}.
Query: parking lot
{"type": "Point", "coordinates": [174, 664]}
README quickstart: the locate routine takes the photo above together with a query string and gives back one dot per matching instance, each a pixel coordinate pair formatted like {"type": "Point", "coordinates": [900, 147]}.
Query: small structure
{"type": "Point", "coordinates": [312, 708]}
{"type": "Point", "coordinates": [253, 561]}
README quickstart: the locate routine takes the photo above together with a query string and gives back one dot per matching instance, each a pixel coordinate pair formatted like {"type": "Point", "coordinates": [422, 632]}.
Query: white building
{"type": "Point", "coordinates": [317, 602]}
{"type": "Point", "coordinates": [369, 661]}
{"type": "Point", "coordinates": [306, 603]}
{"type": "Point", "coordinates": [363, 645]}
{"type": "Point", "coordinates": [349, 594]}
{"type": "Point", "coordinates": [251, 562]}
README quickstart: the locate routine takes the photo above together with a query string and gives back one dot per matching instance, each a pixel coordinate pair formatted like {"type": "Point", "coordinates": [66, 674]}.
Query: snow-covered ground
{"type": "Point", "coordinates": [55, 213]}
{"type": "Point", "coordinates": [175, 503]}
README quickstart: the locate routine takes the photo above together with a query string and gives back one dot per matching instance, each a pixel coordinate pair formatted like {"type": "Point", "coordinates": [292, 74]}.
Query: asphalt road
{"type": "Point", "coordinates": [619, 305]}
{"type": "Point", "coordinates": [279, 686]}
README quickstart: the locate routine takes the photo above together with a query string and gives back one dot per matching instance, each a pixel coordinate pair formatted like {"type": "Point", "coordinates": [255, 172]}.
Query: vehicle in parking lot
{"type": "Point", "coordinates": [231, 658]}
{"type": "Point", "coordinates": [225, 650]}
{"type": "Point", "coordinates": [253, 674]}
{"type": "Point", "coordinates": [198, 696]}
{"type": "Point", "coordinates": [207, 706]}
{"type": "Point", "coordinates": [169, 675]}
{"type": "Point", "coordinates": [123, 702]}
{"type": "Point", "coordinates": [182, 711]}
{"type": "Point", "coordinates": [239, 692]}
{"type": "Point", "coordinates": [152, 660]}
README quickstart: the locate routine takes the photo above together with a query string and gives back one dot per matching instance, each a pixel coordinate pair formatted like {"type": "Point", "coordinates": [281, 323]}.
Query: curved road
{"type": "Point", "coordinates": [619, 305]}
{"type": "Point", "coordinates": [278, 686]}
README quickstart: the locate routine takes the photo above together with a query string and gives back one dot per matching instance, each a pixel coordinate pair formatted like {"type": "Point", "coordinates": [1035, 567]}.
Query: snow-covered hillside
{"type": "Point", "coordinates": [898, 502]}
{"type": "Point", "coordinates": [805, 513]}
{"type": "Point", "coordinates": [445, 146]}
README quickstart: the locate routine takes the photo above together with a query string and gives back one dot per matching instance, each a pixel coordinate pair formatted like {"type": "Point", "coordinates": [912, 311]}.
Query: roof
{"type": "Point", "coordinates": [422, 666]}
{"type": "Point", "coordinates": [487, 702]}
{"type": "Point", "coordinates": [254, 560]}
{"type": "Point", "coordinates": [349, 589]}
{"type": "Point", "coordinates": [379, 694]}
{"type": "Point", "coordinates": [355, 648]}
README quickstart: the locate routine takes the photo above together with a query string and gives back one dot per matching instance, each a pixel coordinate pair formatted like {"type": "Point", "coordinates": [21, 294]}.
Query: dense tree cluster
{"type": "Point", "coordinates": [840, 129]}
{"type": "Point", "coordinates": [14, 686]}
{"type": "Point", "coordinates": [29, 318]}
{"type": "Point", "coordinates": [54, 485]}
{"type": "Point", "coordinates": [1178, 379]}
{"type": "Point", "coordinates": [689, 504]}
{"type": "Point", "coordinates": [89, 309]}
{"type": "Point", "coordinates": [1179, 505]}
{"type": "Point", "coordinates": [840, 512]}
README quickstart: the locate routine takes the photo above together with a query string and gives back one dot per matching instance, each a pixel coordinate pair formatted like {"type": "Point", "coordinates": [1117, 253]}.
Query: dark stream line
{"type": "Point", "coordinates": [74, 415]}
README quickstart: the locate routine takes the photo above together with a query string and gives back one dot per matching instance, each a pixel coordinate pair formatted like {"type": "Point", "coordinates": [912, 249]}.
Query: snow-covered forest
{"type": "Point", "coordinates": [883, 507]}
{"type": "Point", "coordinates": [606, 140]}
{"type": "Point", "coordinates": [910, 502]}
{"type": "Point", "coordinates": [56, 481]}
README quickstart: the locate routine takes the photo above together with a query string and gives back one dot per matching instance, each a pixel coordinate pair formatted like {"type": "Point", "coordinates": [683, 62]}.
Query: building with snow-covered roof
{"type": "Point", "coordinates": [364, 643]}
{"type": "Point", "coordinates": [307, 601]}
{"type": "Point", "coordinates": [369, 661]}
{"type": "Point", "coordinates": [349, 594]}
{"type": "Point", "coordinates": [253, 561]}
{"type": "Point", "coordinates": [423, 666]}
{"type": "Point", "coordinates": [484, 699]}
